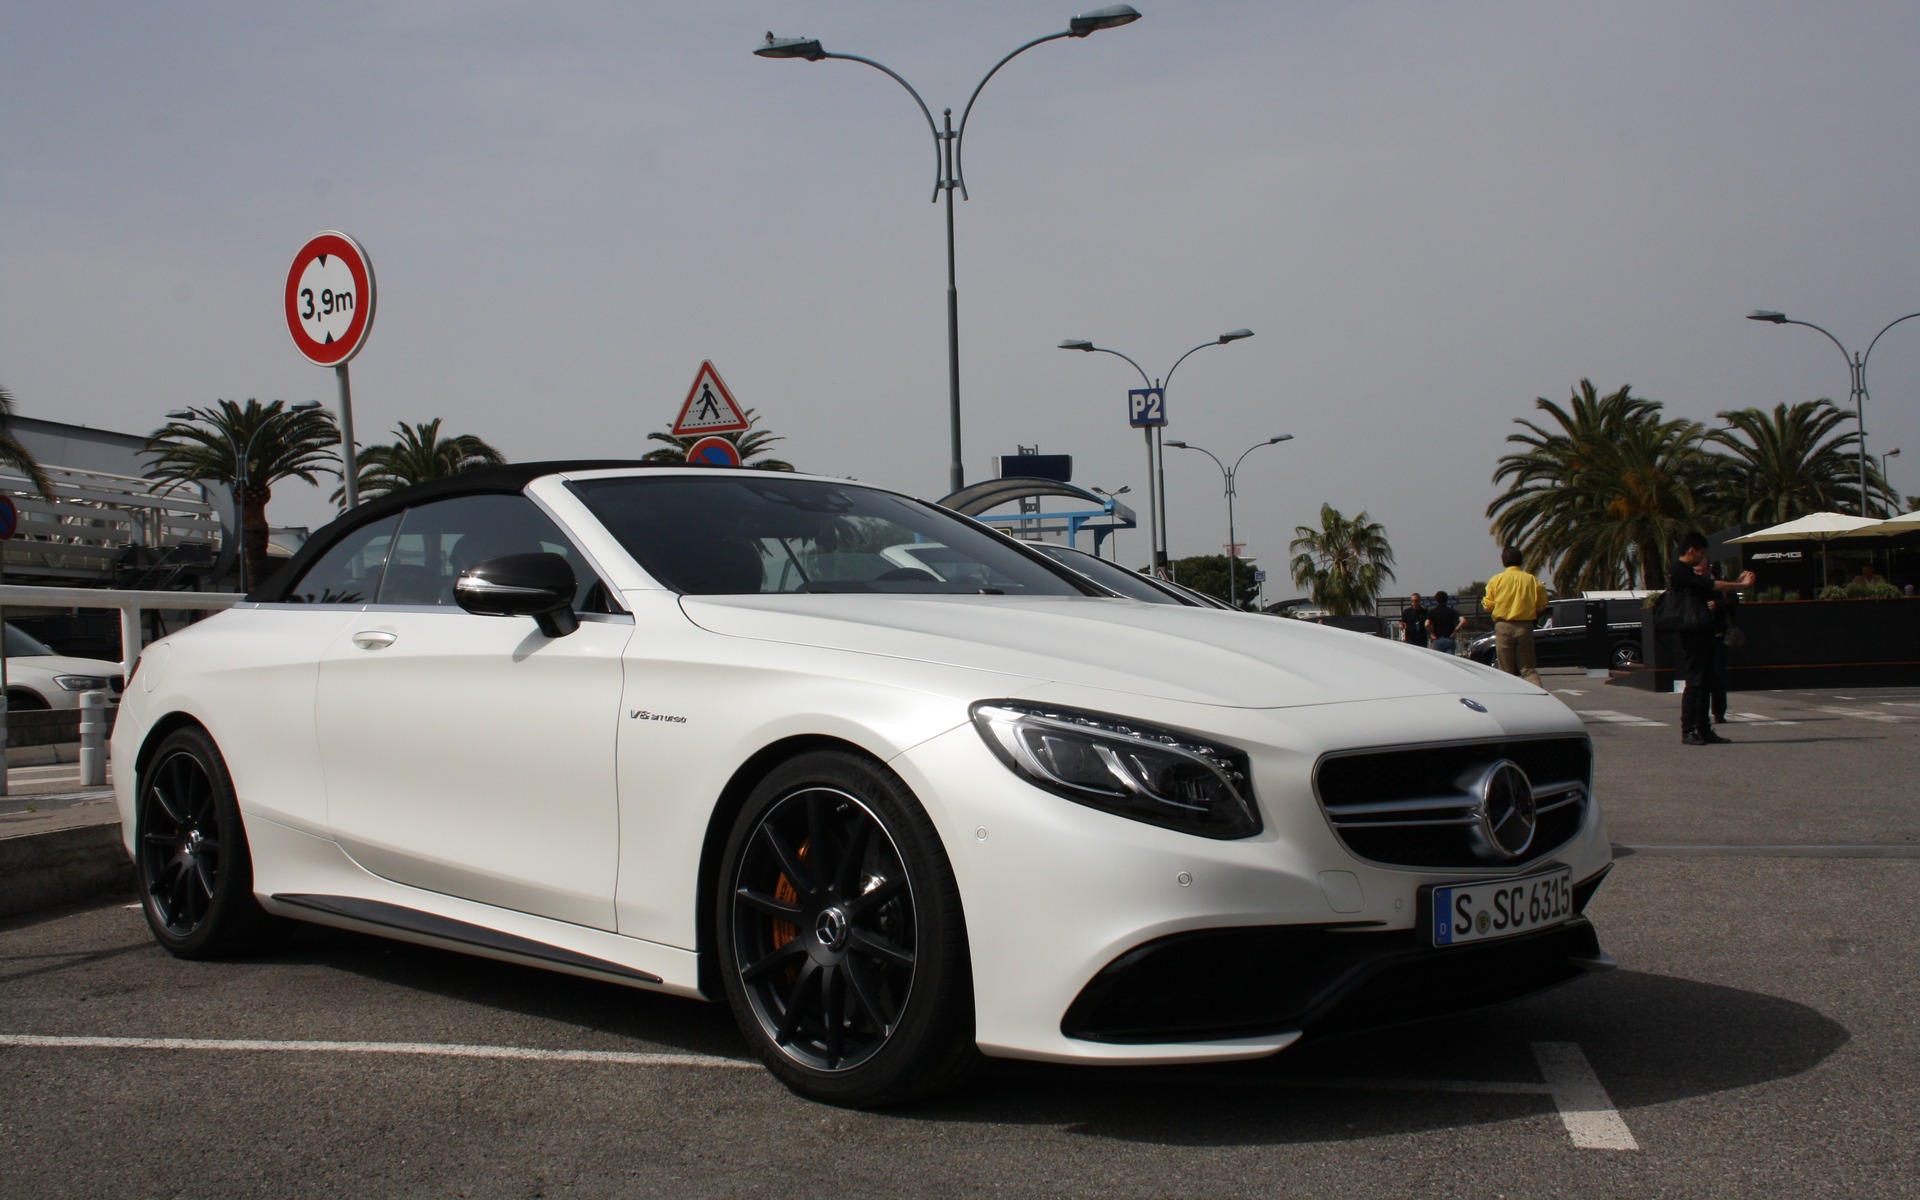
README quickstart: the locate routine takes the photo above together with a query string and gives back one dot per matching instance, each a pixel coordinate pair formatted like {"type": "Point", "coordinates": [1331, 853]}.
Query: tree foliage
{"type": "Point", "coordinates": [14, 454]}
{"type": "Point", "coordinates": [1208, 573]}
{"type": "Point", "coordinates": [749, 442]}
{"type": "Point", "coordinates": [276, 442]}
{"type": "Point", "coordinates": [1600, 493]}
{"type": "Point", "coordinates": [1791, 462]}
{"type": "Point", "coordinates": [1345, 563]}
{"type": "Point", "coordinates": [417, 453]}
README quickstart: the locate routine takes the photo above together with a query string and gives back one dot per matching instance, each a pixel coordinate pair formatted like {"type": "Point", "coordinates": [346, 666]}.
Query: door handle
{"type": "Point", "coordinates": [374, 639]}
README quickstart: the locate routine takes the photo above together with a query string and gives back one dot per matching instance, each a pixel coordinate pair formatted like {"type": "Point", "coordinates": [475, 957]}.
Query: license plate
{"type": "Point", "coordinates": [1497, 908]}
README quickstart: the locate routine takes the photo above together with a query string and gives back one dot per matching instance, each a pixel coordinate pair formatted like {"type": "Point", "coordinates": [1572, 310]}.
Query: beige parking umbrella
{"type": "Point", "coordinates": [1893, 526]}
{"type": "Point", "coordinates": [1822, 527]}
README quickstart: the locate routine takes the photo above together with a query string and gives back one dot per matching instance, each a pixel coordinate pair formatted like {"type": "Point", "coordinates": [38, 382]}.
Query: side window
{"type": "Point", "coordinates": [349, 573]}
{"type": "Point", "coordinates": [439, 540]}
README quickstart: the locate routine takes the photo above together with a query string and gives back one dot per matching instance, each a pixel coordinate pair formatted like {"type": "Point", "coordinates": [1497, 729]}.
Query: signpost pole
{"type": "Point", "coordinates": [330, 299]}
{"type": "Point", "coordinates": [350, 470]}
{"type": "Point", "coordinates": [9, 521]}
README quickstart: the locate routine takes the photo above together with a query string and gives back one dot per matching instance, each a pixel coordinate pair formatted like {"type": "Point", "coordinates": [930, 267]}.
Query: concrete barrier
{"type": "Point", "coordinates": [62, 866]}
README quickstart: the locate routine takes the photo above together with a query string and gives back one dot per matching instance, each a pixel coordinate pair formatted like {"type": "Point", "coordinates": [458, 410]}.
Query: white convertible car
{"type": "Point", "coordinates": [698, 731]}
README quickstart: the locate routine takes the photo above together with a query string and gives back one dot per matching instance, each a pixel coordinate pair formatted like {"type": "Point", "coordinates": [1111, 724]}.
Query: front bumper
{"type": "Point", "coordinates": [1099, 939]}
{"type": "Point", "coordinates": [1224, 984]}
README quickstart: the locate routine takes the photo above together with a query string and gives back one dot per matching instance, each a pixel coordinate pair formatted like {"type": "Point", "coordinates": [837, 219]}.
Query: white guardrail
{"type": "Point", "coordinates": [130, 605]}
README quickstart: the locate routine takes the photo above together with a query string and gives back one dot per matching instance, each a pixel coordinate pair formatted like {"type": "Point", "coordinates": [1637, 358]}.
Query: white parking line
{"type": "Point", "coordinates": [1747, 718]}
{"type": "Point", "coordinates": [437, 1049]}
{"type": "Point", "coordinates": [1606, 716]}
{"type": "Point", "coordinates": [1585, 1108]}
{"type": "Point", "coordinates": [1863, 714]}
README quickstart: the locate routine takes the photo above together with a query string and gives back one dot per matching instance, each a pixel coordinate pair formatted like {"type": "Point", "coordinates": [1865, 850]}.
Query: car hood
{"type": "Point", "coordinates": [1193, 655]}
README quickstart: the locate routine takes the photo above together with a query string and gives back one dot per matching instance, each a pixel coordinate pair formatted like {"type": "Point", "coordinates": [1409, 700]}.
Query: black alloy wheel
{"type": "Point", "coordinates": [841, 940]}
{"type": "Point", "coordinates": [196, 876]}
{"type": "Point", "coordinates": [1626, 654]}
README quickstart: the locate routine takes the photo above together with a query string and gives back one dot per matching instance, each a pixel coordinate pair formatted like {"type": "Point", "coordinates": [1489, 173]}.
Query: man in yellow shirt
{"type": "Point", "coordinates": [1515, 600]}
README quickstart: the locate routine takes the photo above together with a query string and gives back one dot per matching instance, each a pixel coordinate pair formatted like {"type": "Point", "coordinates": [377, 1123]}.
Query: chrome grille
{"type": "Point", "coordinates": [1420, 807]}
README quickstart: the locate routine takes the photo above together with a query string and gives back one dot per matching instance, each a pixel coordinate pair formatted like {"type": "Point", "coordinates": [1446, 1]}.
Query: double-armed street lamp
{"type": "Point", "coordinates": [1857, 372]}
{"type": "Point", "coordinates": [242, 457]}
{"type": "Point", "coordinates": [949, 175]}
{"type": "Point", "coordinates": [1156, 457]}
{"type": "Point", "coordinates": [1229, 474]}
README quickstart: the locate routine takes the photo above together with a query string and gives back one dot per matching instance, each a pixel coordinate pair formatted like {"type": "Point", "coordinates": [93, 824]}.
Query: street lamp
{"type": "Point", "coordinates": [1888, 479]}
{"type": "Point", "coordinates": [948, 172]}
{"type": "Point", "coordinates": [1228, 474]}
{"type": "Point", "coordinates": [241, 459]}
{"type": "Point", "coordinates": [1857, 371]}
{"type": "Point", "coordinates": [1156, 458]}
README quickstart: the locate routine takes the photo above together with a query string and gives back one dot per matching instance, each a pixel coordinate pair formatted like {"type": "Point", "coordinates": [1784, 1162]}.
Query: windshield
{"type": "Point", "coordinates": [21, 644]}
{"type": "Point", "coordinates": [747, 533]}
{"type": "Point", "coordinates": [1108, 574]}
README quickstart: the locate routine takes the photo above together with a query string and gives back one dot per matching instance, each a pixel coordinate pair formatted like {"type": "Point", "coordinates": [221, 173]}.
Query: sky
{"type": "Point", "coordinates": [1430, 214]}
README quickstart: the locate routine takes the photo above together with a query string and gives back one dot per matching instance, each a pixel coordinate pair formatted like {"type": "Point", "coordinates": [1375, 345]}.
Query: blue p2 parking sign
{"type": "Point", "coordinates": [1146, 406]}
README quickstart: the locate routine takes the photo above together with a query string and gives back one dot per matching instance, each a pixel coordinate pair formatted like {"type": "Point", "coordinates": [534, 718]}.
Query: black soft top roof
{"type": "Point", "coordinates": [510, 479]}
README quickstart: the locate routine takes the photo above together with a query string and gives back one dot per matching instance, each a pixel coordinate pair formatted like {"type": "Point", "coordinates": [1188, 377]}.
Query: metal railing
{"type": "Point", "coordinates": [130, 605]}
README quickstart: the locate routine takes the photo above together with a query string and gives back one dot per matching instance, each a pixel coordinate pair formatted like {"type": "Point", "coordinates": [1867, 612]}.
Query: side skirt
{"type": "Point", "coordinates": [381, 917]}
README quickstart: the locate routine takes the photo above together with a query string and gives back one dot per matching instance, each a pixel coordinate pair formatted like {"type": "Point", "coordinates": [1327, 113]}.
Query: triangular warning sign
{"type": "Point", "coordinates": [709, 407]}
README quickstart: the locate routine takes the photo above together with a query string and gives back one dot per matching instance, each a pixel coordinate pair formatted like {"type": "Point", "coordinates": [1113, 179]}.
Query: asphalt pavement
{"type": "Point", "coordinates": [1758, 1038]}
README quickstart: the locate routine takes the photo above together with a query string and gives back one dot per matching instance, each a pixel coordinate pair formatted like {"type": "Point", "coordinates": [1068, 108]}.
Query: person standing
{"type": "Point", "coordinates": [1413, 622]}
{"type": "Point", "coordinates": [1696, 649]}
{"type": "Point", "coordinates": [1515, 599]}
{"type": "Point", "coordinates": [1726, 625]}
{"type": "Point", "coordinates": [1442, 620]}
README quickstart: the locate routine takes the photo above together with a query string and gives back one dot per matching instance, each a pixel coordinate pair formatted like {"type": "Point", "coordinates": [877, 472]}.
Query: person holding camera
{"type": "Point", "coordinates": [1696, 647]}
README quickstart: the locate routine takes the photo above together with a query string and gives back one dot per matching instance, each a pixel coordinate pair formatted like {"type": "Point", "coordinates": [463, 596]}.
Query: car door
{"type": "Point", "coordinates": [473, 755]}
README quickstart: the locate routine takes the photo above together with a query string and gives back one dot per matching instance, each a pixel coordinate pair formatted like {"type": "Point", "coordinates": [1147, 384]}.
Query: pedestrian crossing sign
{"type": "Point", "coordinates": [709, 407]}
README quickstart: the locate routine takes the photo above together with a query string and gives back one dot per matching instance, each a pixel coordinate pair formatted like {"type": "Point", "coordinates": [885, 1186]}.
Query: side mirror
{"type": "Point", "coordinates": [540, 586]}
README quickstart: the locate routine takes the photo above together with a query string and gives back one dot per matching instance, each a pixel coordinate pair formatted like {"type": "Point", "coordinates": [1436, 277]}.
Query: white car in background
{"type": "Point", "coordinates": [40, 678]}
{"type": "Point", "coordinates": [697, 731]}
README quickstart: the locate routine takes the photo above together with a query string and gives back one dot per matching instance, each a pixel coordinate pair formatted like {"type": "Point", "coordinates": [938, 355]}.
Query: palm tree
{"type": "Point", "coordinates": [16, 455]}
{"type": "Point", "coordinates": [207, 445]}
{"type": "Point", "coordinates": [417, 454]}
{"type": "Point", "coordinates": [749, 442]}
{"type": "Point", "coordinates": [1345, 563]}
{"type": "Point", "coordinates": [1602, 496]}
{"type": "Point", "coordinates": [1791, 462]}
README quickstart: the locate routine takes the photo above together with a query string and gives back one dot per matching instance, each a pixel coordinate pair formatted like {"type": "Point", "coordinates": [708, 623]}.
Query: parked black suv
{"type": "Point", "coordinates": [1561, 638]}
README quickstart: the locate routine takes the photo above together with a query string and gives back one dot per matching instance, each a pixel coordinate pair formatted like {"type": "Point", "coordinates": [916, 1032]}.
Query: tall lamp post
{"type": "Point", "coordinates": [242, 458]}
{"type": "Point", "coordinates": [949, 174]}
{"type": "Point", "coordinates": [1156, 457]}
{"type": "Point", "coordinates": [1857, 372]}
{"type": "Point", "coordinates": [1228, 474]}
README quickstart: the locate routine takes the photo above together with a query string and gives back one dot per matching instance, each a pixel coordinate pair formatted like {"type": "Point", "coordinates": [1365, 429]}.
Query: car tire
{"type": "Point", "coordinates": [195, 870]}
{"type": "Point", "coordinates": [19, 700]}
{"type": "Point", "coordinates": [1626, 654]}
{"type": "Point", "coordinates": [841, 938]}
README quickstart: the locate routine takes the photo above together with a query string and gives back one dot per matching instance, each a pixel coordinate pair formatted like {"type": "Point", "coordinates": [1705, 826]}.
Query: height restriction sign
{"type": "Point", "coordinates": [330, 298]}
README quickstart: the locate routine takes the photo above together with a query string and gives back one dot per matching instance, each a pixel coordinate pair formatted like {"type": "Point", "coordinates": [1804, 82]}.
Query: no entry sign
{"type": "Point", "coordinates": [330, 298]}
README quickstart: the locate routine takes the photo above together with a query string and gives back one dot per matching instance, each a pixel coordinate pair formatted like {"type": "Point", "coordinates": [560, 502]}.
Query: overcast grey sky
{"type": "Point", "coordinates": [1430, 214]}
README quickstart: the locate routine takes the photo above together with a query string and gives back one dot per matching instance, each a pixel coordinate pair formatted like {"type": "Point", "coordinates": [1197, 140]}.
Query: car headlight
{"type": "Point", "coordinates": [81, 683]}
{"type": "Point", "coordinates": [1138, 771]}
